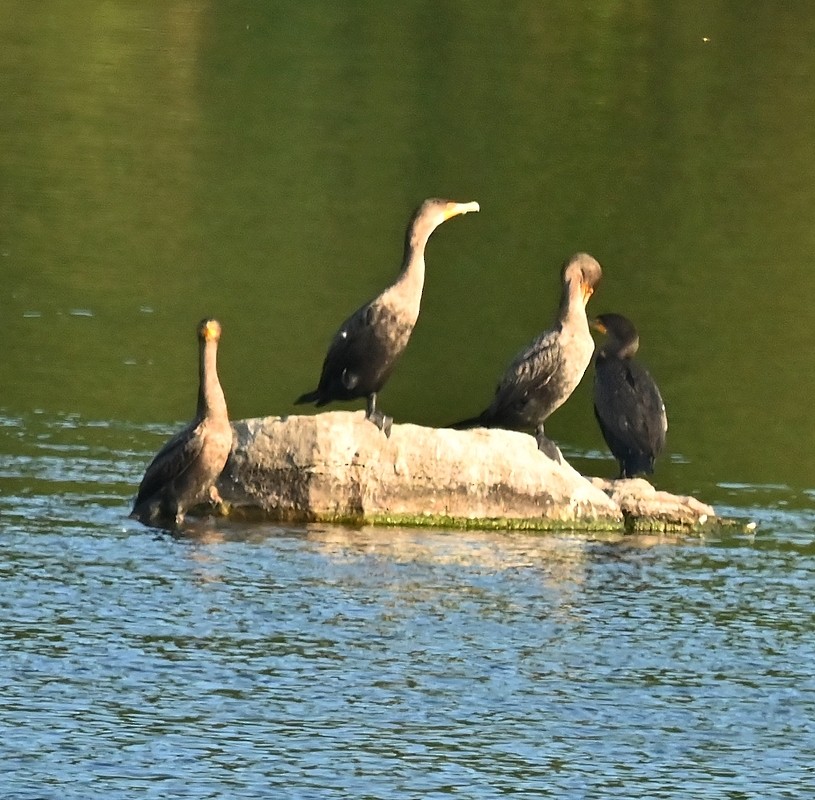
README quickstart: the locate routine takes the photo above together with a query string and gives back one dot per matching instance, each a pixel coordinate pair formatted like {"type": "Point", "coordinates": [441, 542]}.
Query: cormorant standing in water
{"type": "Point", "coordinates": [184, 471]}
{"type": "Point", "coordinates": [627, 402]}
{"type": "Point", "coordinates": [543, 375]}
{"type": "Point", "coordinates": [365, 349]}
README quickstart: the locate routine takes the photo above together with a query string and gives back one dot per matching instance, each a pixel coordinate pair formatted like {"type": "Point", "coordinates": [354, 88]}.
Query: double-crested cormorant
{"type": "Point", "coordinates": [544, 374]}
{"type": "Point", "coordinates": [365, 349]}
{"type": "Point", "coordinates": [184, 471]}
{"type": "Point", "coordinates": [627, 402]}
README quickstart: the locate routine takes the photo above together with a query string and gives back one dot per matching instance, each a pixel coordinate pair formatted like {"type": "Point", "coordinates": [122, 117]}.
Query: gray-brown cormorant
{"type": "Point", "coordinates": [184, 471]}
{"type": "Point", "coordinates": [627, 402]}
{"type": "Point", "coordinates": [365, 349]}
{"type": "Point", "coordinates": [544, 374]}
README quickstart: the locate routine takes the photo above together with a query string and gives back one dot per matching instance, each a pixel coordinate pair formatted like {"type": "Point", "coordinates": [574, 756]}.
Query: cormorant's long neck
{"type": "Point", "coordinates": [211, 400]}
{"type": "Point", "coordinates": [411, 277]}
{"type": "Point", "coordinates": [572, 308]}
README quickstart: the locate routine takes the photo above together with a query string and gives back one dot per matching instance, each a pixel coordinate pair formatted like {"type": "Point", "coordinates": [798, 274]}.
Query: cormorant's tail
{"type": "Point", "coordinates": [472, 422]}
{"type": "Point", "coordinates": [637, 464]}
{"type": "Point", "coordinates": [308, 397]}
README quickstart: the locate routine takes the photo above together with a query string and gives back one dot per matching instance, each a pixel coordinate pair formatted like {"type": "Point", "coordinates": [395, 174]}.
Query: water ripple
{"type": "Point", "coordinates": [319, 661]}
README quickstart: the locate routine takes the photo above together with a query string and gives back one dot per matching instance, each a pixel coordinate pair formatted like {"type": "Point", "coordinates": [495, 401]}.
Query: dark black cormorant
{"type": "Point", "coordinates": [184, 471]}
{"type": "Point", "coordinates": [544, 374]}
{"type": "Point", "coordinates": [365, 349]}
{"type": "Point", "coordinates": [627, 402]}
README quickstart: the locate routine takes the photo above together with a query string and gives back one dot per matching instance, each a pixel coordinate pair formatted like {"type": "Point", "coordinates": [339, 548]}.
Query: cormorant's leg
{"type": "Point", "coordinates": [168, 509]}
{"type": "Point", "coordinates": [219, 505]}
{"type": "Point", "coordinates": [383, 422]}
{"type": "Point", "coordinates": [547, 446]}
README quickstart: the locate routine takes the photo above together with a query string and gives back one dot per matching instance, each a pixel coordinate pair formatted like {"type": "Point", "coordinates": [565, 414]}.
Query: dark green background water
{"type": "Point", "coordinates": [164, 161]}
{"type": "Point", "coordinates": [258, 162]}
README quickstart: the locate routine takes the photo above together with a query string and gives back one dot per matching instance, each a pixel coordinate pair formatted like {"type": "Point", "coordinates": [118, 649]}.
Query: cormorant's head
{"type": "Point", "coordinates": [435, 210]}
{"type": "Point", "coordinates": [581, 272]}
{"type": "Point", "coordinates": [427, 217]}
{"type": "Point", "coordinates": [209, 330]}
{"type": "Point", "coordinates": [623, 339]}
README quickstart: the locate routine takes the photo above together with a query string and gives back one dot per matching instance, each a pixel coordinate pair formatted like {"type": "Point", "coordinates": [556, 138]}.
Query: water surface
{"type": "Point", "coordinates": [319, 661]}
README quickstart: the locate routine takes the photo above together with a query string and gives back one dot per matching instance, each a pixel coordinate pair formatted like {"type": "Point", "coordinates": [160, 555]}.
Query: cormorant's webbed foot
{"type": "Point", "coordinates": [382, 421]}
{"type": "Point", "coordinates": [548, 447]}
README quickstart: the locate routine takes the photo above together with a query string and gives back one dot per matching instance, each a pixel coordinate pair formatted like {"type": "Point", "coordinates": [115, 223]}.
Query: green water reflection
{"type": "Point", "coordinates": [163, 161]}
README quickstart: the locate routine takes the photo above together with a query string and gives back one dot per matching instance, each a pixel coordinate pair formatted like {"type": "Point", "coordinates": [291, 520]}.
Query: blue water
{"type": "Point", "coordinates": [255, 661]}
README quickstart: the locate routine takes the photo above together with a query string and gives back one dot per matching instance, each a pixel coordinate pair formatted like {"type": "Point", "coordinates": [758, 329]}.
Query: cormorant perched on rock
{"type": "Point", "coordinates": [365, 349]}
{"type": "Point", "coordinates": [184, 471]}
{"type": "Point", "coordinates": [627, 402]}
{"type": "Point", "coordinates": [544, 374]}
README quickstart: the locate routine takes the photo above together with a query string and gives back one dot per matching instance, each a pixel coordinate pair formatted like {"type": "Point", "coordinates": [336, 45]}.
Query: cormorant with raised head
{"type": "Point", "coordinates": [627, 402]}
{"type": "Point", "coordinates": [184, 471]}
{"type": "Point", "coordinates": [543, 375]}
{"type": "Point", "coordinates": [365, 349]}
